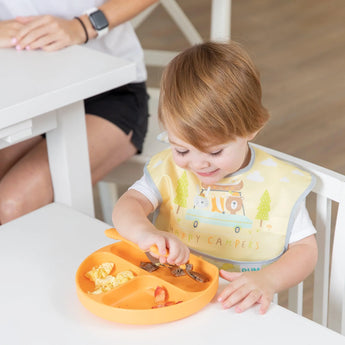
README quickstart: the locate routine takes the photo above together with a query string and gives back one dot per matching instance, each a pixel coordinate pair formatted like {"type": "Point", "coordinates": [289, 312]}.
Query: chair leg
{"type": "Point", "coordinates": [108, 195]}
{"type": "Point", "coordinates": [221, 20]}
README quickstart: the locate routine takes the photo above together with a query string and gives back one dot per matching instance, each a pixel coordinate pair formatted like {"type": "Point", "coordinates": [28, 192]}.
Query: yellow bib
{"type": "Point", "coordinates": [242, 222]}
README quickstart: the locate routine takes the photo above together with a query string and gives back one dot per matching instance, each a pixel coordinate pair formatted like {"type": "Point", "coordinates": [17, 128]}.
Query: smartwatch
{"type": "Point", "coordinates": [98, 21]}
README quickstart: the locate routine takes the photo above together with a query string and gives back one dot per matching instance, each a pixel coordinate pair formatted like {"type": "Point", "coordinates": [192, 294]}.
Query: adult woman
{"type": "Point", "coordinates": [116, 121]}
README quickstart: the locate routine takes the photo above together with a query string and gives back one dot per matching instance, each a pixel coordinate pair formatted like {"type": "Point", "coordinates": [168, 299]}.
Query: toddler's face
{"type": "Point", "coordinates": [213, 165]}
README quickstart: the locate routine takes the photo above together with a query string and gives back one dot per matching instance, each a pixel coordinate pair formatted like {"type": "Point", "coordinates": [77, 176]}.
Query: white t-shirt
{"type": "Point", "coordinates": [121, 41]}
{"type": "Point", "coordinates": [302, 226]}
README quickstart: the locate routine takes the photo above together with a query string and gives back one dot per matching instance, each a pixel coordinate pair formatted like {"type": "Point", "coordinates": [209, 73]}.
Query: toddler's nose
{"type": "Point", "coordinates": [200, 164]}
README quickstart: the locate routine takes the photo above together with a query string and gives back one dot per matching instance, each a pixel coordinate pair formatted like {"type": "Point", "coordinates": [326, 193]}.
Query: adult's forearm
{"type": "Point", "coordinates": [118, 12]}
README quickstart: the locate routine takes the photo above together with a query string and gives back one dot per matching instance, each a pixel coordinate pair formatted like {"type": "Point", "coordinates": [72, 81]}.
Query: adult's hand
{"type": "Point", "coordinates": [8, 31]}
{"type": "Point", "coordinates": [48, 33]}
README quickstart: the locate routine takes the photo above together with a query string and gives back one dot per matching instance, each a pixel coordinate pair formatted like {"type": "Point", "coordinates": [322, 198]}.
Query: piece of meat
{"type": "Point", "coordinates": [189, 267]}
{"type": "Point", "coordinates": [177, 271]}
{"type": "Point", "coordinates": [199, 277]}
{"type": "Point", "coordinates": [148, 266]}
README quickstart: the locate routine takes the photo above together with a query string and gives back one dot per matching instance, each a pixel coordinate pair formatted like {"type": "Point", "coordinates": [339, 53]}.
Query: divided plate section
{"type": "Point", "coordinates": [96, 259]}
{"type": "Point", "coordinates": [134, 256]}
{"type": "Point", "coordinates": [139, 294]}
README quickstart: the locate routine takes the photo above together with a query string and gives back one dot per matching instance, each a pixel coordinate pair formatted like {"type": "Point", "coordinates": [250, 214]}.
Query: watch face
{"type": "Point", "coordinates": [98, 20]}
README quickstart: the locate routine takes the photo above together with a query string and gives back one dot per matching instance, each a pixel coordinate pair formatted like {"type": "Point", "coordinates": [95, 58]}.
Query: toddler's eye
{"type": "Point", "coordinates": [217, 153]}
{"type": "Point", "coordinates": [181, 153]}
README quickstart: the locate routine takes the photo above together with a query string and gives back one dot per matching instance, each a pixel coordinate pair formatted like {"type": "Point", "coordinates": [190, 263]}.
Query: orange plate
{"type": "Point", "coordinates": [132, 302]}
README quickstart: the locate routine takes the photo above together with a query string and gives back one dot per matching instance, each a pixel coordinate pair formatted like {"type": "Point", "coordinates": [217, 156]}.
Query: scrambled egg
{"type": "Point", "coordinates": [100, 272]}
{"type": "Point", "coordinates": [104, 282]}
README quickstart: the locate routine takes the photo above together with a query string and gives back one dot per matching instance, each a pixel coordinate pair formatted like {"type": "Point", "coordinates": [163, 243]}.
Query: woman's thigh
{"type": "Point", "coordinates": [10, 155]}
{"type": "Point", "coordinates": [28, 178]}
{"type": "Point", "coordinates": [108, 145]}
{"type": "Point", "coordinates": [27, 184]}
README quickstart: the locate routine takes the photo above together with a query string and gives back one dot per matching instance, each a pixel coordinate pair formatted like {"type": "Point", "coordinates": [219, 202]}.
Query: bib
{"type": "Point", "coordinates": [240, 223]}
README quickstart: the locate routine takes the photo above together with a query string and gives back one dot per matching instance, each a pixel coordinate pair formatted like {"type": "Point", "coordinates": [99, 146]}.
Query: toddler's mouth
{"type": "Point", "coordinates": [207, 174]}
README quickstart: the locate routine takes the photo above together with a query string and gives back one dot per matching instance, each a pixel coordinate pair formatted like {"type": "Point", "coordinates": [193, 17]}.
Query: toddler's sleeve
{"type": "Point", "coordinates": [302, 226]}
{"type": "Point", "coordinates": [143, 187]}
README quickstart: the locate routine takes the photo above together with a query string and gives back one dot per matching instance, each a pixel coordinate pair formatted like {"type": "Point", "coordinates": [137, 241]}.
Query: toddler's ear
{"type": "Point", "coordinates": [253, 135]}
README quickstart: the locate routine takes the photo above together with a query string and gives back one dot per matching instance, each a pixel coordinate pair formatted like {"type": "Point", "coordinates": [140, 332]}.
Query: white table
{"type": "Point", "coordinates": [39, 304]}
{"type": "Point", "coordinates": [43, 93]}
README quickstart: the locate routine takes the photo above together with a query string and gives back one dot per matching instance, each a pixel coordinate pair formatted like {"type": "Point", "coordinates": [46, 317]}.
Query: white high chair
{"type": "Point", "coordinates": [329, 275]}
{"type": "Point", "coordinates": [328, 294]}
{"type": "Point", "coordinates": [128, 172]}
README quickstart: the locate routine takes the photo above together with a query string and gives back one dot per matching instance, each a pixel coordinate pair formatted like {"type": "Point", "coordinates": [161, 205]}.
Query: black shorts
{"type": "Point", "coordinates": [126, 107]}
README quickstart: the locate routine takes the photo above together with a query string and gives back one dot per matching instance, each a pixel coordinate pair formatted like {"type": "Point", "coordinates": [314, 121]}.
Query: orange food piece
{"type": "Point", "coordinates": [166, 304]}
{"type": "Point", "coordinates": [161, 295]}
{"type": "Point", "coordinates": [161, 298]}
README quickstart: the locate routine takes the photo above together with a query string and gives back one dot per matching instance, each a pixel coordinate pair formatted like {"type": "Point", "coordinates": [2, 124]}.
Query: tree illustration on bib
{"type": "Point", "coordinates": [181, 192]}
{"type": "Point", "coordinates": [264, 207]}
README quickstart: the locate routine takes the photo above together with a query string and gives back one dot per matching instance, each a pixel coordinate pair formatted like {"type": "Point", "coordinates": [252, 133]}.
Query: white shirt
{"type": "Point", "coordinates": [302, 226]}
{"type": "Point", "coordinates": [120, 41]}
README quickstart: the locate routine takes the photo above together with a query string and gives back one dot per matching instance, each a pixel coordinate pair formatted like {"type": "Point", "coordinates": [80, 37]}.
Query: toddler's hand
{"type": "Point", "coordinates": [247, 289]}
{"type": "Point", "coordinates": [165, 242]}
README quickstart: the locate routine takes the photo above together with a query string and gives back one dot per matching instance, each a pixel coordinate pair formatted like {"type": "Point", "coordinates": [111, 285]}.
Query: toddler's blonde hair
{"type": "Point", "coordinates": [211, 94]}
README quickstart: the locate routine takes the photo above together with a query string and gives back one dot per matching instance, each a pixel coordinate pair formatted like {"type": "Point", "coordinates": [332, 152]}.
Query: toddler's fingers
{"type": "Point", "coordinates": [226, 293]}
{"type": "Point", "coordinates": [174, 257]}
{"type": "Point", "coordinates": [178, 253]}
{"type": "Point", "coordinates": [231, 289]}
{"type": "Point", "coordinates": [252, 298]}
{"type": "Point", "coordinates": [265, 304]}
{"type": "Point", "coordinates": [159, 247]}
{"type": "Point", "coordinates": [182, 258]}
{"type": "Point", "coordinates": [186, 255]}
{"type": "Point", "coordinates": [233, 296]}
{"type": "Point", "coordinates": [163, 260]}
{"type": "Point", "coordinates": [156, 246]}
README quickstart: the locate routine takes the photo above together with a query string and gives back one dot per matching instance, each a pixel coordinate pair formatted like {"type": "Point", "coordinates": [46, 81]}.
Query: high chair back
{"type": "Point", "coordinates": [329, 219]}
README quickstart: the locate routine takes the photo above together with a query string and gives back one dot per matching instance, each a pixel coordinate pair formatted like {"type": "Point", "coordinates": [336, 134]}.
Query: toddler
{"type": "Point", "coordinates": [214, 193]}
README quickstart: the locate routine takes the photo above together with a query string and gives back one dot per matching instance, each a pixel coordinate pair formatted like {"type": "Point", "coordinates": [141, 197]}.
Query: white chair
{"type": "Point", "coordinates": [128, 172]}
{"type": "Point", "coordinates": [329, 276]}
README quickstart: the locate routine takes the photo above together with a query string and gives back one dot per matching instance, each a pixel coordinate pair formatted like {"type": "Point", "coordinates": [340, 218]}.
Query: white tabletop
{"type": "Point", "coordinates": [36, 82]}
{"type": "Point", "coordinates": [39, 256]}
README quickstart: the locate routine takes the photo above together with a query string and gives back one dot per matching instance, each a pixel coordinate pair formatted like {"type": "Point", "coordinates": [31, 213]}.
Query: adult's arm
{"type": "Point", "coordinates": [52, 33]}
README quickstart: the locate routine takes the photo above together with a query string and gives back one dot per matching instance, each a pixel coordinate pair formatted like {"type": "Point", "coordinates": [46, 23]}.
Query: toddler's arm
{"type": "Point", "coordinates": [130, 220]}
{"type": "Point", "coordinates": [249, 288]}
